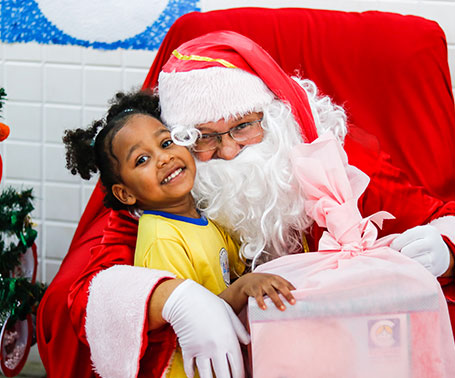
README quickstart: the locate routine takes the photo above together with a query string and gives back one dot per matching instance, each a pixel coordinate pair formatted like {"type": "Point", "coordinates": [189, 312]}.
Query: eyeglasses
{"type": "Point", "coordinates": [240, 133]}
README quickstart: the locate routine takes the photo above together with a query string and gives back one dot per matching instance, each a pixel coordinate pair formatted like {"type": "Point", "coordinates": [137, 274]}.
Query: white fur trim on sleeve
{"type": "Point", "coordinates": [116, 313]}
{"type": "Point", "coordinates": [446, 226]}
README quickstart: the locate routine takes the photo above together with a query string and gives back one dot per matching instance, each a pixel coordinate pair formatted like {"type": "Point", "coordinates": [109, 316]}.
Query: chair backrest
{"type": "Point", "coordinates": [390, 72]}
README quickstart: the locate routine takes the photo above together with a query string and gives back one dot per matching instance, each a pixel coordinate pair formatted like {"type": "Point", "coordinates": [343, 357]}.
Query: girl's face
{"type": "Point", "coordinates": [156, 174]}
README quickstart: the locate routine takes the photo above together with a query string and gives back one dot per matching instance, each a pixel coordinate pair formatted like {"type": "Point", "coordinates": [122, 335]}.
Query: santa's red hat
{"type": "Point", "coordinates": [224, 74]}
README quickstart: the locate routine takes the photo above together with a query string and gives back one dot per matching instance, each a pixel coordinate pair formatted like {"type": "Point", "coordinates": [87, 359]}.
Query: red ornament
{"type": "Point", "coordinates": [4, 131]}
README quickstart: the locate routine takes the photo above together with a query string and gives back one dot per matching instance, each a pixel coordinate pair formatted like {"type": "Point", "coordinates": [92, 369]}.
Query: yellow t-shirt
{"type": "Point", "coordinates": [197, 249]}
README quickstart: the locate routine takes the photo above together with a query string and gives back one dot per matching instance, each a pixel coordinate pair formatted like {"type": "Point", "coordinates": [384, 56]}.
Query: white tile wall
{"type": "Point", "coordinates": [58, 118]}
{"type": "Point", "coordinates": [28, 52]}
{"type": "Point", "coordinates": [136, 58]}
{"type": "Point", "coordinates": [452, 63]}
{"type": "Point", "coordinates": [57, 172]}
{"type": "Point", "coordinates": [133, 78]}
{"type": "Point", "coordinates": [92, 113]}
{"type": "Point", "coordinates": [102, 58]}
{"type": "Point", "coordinates": [62, 54]}
{"type": "Point", "coordinates": [23, 161]}
{"type": "Point", "coordinates": [58, 239]}
{"type": "Point", "coordinates": [26, 118]}
{"type": "Point", "coordinates": [87, 192]}
{"type": "Point", "coordinates": [51, 268]}
{"type": "Point", "coordinates": [51, 88]}
{"type": "Point", "coordinates": [63, 84]}
{"type": "Point", "coordinates": [100, 84]}
{"type": "Point", "coordinates": [24, 81]}
{"type": "Point", "coordinates": [62, 202]}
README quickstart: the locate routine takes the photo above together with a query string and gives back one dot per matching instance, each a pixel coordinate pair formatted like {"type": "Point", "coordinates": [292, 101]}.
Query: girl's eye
{"type": "Point", "coordinates": [141, 160]}
{"type": "Point", "coordinates": [166, 143]}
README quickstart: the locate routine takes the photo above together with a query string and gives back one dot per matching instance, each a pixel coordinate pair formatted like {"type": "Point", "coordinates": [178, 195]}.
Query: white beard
{"type": "Point", "coordinates": [254, 196]}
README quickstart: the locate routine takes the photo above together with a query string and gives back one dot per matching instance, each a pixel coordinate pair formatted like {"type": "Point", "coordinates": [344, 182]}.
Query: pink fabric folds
{"type": "Point", "coordinates": [332, 188]}
{"type": "Point", "coordinates": [363, 310]}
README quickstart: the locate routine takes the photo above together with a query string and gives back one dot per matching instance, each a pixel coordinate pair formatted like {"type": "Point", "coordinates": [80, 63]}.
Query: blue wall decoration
{"type": "Point", "coordinates": [25, 21]}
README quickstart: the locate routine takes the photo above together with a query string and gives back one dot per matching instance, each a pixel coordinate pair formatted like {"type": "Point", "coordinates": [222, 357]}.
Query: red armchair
{"type": "Point", "coordinates": [390, 72]}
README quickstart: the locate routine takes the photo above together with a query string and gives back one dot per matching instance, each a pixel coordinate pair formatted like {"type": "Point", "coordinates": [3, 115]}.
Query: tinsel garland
{"type": "Point", "coordinates": [2, 97]}
{"type": "Point", "coordinates": [15, 208]}
{"type": "Point", "coordinates": [18, 296]}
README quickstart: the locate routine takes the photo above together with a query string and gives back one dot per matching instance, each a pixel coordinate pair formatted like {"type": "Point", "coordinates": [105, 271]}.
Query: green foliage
{"type": "Point", "coordinates": [2, 97]}
{"type": "Point", "coordinates": [18, 296]}
{"type": "Point", "coordinates": [15, 208]}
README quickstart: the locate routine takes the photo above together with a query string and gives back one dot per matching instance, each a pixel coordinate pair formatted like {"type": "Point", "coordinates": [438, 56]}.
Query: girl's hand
{"type": "Point", "coordinates": [257, 285]}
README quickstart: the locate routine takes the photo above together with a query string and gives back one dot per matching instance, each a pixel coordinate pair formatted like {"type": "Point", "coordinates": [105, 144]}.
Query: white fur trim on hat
{"type": "Point", "coordinates": [208, 95]}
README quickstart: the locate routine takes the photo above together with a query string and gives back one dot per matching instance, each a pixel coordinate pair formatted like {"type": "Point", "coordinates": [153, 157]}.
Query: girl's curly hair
{"type": "Point", "coordinates": [89, 151]}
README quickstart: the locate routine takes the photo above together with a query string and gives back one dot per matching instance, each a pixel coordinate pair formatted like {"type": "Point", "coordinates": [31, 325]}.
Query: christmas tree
{"type": "Point", "coordinates": [19, 293]}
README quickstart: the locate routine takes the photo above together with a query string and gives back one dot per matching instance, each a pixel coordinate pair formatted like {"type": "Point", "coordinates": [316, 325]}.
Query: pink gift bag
{"type": "Point", "coordinates": [363, 310]}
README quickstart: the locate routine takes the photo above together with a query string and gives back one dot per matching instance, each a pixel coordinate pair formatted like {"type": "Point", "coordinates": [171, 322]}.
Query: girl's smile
{"type": "Point", "coordinates": [175, 175]}
{"type": "Point", "coordinates": [155, 173]}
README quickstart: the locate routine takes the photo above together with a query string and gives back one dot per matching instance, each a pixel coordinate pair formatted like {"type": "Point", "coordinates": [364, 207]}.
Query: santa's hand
{"type": "Point", "coordinates": [425, 245]}
{"type": "Point", "coordinates": [208, 331]}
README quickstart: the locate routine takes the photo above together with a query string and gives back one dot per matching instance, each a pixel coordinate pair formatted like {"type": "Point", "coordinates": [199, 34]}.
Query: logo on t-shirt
{"type": "Point", "coordinates": [224, 264]}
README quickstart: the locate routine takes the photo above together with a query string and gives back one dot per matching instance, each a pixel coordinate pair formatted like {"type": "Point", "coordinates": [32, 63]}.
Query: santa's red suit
{"type": "Point", "coordinates": [121, 290]}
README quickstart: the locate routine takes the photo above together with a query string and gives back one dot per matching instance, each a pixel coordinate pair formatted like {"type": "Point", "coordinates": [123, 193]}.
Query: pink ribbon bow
{"type": "Point", "coordinates": [331, 188]}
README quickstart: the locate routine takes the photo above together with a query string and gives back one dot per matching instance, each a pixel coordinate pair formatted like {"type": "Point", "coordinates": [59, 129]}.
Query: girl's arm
{"type": "Point", "coordinates": [257, 285]}
{"type": "Point", "coordinates": [158, 299]}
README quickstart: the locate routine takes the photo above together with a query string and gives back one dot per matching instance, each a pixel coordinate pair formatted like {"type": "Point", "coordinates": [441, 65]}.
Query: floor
{"type": "Point", "coordinates": [33, 369]}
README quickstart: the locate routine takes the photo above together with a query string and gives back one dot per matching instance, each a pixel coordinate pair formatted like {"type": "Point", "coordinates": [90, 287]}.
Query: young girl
{"type": "Point", "coordinates": [142, 170]}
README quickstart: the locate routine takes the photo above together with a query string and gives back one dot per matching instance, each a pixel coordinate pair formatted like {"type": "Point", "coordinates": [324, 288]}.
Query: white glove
{"type": "Point", "coordinates": [208, 331]}
{"type": "Point", "coordinates": [425, 245]}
